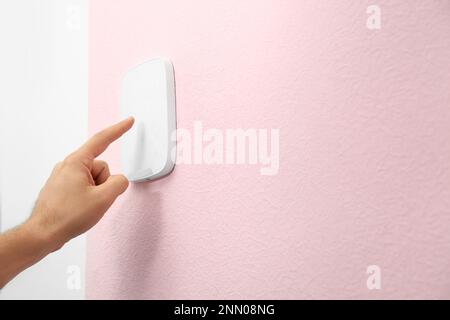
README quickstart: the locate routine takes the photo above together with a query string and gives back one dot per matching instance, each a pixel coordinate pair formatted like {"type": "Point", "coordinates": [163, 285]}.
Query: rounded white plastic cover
{"type": "Point", "coordinates": [148, 94]}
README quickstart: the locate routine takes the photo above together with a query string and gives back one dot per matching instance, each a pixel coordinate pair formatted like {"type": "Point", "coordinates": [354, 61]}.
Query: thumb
{"type": "Point", "coordinates": [113, 187]}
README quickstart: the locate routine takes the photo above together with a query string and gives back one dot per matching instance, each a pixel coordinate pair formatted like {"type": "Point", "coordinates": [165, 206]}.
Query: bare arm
{"type": "Point", "coordinates": [75, 197]}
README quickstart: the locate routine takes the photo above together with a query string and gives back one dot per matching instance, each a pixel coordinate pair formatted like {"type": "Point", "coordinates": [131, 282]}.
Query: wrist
{"type": "Point", "coordinates": [23, 246]}
{"type": "Point", "coordinates": [20, 248]}
{"type": "Point", "coordinates": [38, 240]}
{"type": "Point", "coordinates": [40, 229]}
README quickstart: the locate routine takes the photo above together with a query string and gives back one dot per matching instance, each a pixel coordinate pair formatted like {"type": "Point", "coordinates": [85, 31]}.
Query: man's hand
{"type": "Point", "coordinates": [79, 190]}
{"type": "Point", "coordinates": [76, 196]}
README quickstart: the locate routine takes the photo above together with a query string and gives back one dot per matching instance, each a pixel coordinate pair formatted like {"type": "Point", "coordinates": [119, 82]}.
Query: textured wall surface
{"type": "Point", "coordinates": [364, 179]}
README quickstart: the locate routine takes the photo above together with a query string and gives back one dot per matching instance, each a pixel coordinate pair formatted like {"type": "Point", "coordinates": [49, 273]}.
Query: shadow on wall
{"type": "Point", "coordinates": [140, 232]}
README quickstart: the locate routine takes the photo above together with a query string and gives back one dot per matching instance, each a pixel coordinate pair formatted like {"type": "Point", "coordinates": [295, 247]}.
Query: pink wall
{"type": "Point", "coordinates": [364, 177]}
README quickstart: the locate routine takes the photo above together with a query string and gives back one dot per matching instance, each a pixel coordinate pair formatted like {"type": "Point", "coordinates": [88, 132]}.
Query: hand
{"type": "Point", "coordinates": [75, 197]}
{"type": "Point", "coordinates": [79, 191]}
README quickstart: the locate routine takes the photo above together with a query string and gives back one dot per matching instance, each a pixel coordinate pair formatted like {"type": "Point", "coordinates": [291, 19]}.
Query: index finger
{"type": "Point", "coordinates": [102, 139]}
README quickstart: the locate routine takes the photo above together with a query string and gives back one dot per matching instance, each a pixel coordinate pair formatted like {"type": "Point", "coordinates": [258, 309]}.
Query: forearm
{"type": "Point", "coordinates": [20, 248]}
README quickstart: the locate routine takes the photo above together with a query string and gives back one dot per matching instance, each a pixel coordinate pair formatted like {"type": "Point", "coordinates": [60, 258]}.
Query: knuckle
{"type": "Point", "coordinates": [99, 135]}
{"type": "Point", "coordinates": [69, 159]}
{"type": "Point", "coordinates": [103, 163]}
{"type": "Point", "coordinates": [58, 166]}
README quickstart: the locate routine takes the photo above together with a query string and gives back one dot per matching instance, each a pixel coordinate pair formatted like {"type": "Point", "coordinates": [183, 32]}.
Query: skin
{"type": "Point", "coordinates": [75, 197]}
